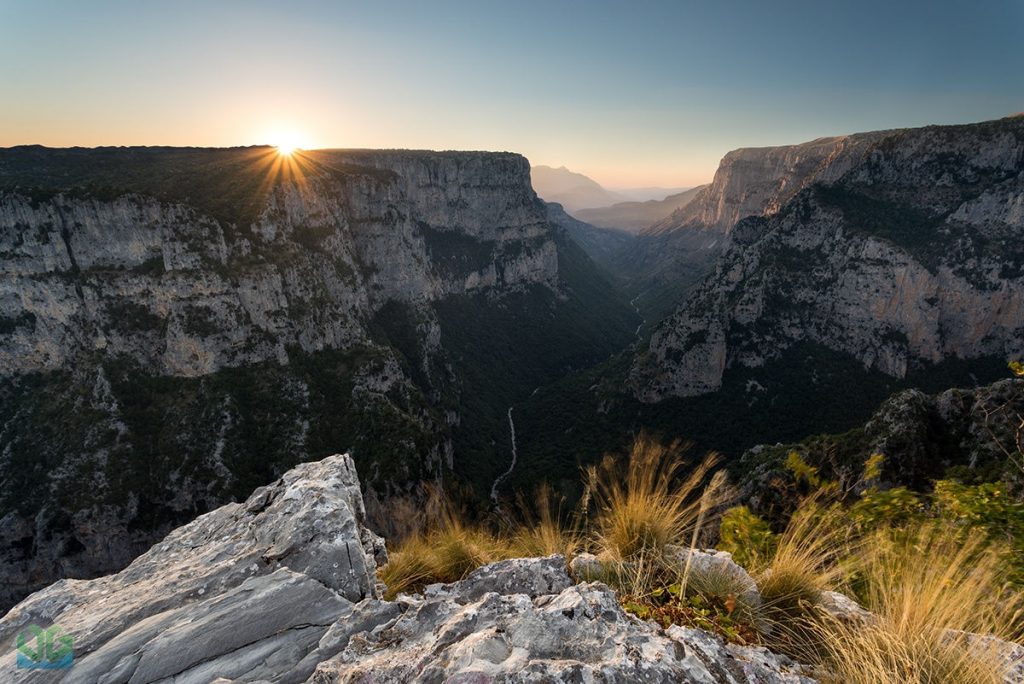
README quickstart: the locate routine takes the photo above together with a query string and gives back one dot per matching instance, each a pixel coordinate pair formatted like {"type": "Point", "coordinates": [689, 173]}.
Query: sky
{"type": "Point", "coordinates": [630, 93]}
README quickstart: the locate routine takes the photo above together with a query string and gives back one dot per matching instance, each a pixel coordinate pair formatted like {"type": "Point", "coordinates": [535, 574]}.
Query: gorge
{"type": "Point", "coordinates": [180, 326]}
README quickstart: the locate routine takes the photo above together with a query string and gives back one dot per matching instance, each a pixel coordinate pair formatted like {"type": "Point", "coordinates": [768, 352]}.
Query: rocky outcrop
{"type": "Point", "coordinates": [922, 436]}
{"type": "Point", "coordinates": [180, 326]}
{"type": "Point", "coordinates": [247, 591]}
{"type": "Point", "coordinates": [910, 256]}
{"type": "Point", "coordinates": [282, 588]}
{"type": "Point", "coordinates": [552, 631]}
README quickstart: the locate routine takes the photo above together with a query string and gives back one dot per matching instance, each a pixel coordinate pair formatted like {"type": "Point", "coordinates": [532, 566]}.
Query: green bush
{"type": "Point", "coordinates": [746, 536]}
{"type": "Point", "coordinates": [896, 506]}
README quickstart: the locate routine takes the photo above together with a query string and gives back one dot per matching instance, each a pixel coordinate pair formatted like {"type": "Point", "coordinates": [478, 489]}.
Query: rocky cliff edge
{"type": "Point", "coordinates": [282, 588]}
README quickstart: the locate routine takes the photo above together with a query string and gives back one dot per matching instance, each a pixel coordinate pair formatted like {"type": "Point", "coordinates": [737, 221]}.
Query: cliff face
{"type": "Point", "coordinates": [180, 326]}
{"type": "Point", "coordinates": [672, 255]}
{"type": "Point", "coordinates": [908, 257]}
{"type": "Point", "coordinates": [759, 181]}
{"type": "Point", "coordinates": [162, 285]}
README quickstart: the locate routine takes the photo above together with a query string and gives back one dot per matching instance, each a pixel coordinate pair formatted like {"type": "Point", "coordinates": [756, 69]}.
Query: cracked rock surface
{"type": "Point", "coordinates": [246, 591]}
{"type": "Point", "coordinates": [282, 588]}
{"type": "Point", "coordinates": [535, 625]}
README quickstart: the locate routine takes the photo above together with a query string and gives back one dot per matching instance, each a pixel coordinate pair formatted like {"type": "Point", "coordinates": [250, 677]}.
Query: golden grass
{"type": "Point", "coordinates": [803, 564]}
{"type": "Point", "coordinates": [442, 548]}
{"type": "Point", "coordinates": [644, 506]}
{"type": "Point", "coordinates": [443, 554]}
{"type": "Point", "coordinates": [541, 533]}
{"type": "Point", "coordinates": [927, 589]}
{"type": "Point", "coordinates": [721, 587]}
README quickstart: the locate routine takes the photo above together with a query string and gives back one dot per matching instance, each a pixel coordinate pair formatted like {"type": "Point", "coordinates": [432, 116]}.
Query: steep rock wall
{"type": "Point", "coordinates": [913, 256]}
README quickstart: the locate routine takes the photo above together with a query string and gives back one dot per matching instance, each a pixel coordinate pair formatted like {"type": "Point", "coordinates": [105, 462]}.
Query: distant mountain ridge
{"type": "Point", "coordinates": [647, 194]}
{"type": "Point", "coordinates": [570, 189]}
{"type": "Point", "coordinates": [634, 217]}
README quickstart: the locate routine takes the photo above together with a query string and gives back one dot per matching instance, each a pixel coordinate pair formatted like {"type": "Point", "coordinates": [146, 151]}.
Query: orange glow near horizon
{"type": "Point", "coordinates": [288, 142]}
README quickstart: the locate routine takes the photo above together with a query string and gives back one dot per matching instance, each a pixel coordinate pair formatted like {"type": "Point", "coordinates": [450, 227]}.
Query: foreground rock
{"type": "Point", "coordinates": [536, 625]}
{"type": "Point", "coordinates": [282, 588]}
{"type": "Point", "coordinates": [246, 591]}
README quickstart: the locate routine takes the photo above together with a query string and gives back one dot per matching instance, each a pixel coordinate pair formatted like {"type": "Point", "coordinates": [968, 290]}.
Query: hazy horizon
{"type": "Point", "coordinates": [647, 95]}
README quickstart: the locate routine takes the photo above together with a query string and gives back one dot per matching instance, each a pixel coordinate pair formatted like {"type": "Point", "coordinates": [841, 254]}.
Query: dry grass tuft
{"type": "Point", "coordinates": [643, 507]}
{"type": "Point", "coordinates": [443, 549]}
{"type": "Point", "coordinates": [929, 589]}
{"type": "Point", "coordinates": [542, 533]}
{"type": "Point", "coordinates": [804, 563]}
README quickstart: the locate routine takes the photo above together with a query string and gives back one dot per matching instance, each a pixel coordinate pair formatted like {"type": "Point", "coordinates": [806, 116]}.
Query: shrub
{"type": "Point", "coordinates": [444, 549]}
{"type": "Point", "coordinates": [444, 554]}
{"type": "Point", "coordinates": [725, 590]}
{"type": "Point", "coordinates": [747, 537]}
{"type": "Point", "coordinates": [987, 509]}
{"type": "Point", "coordinates": [541, 533]}
{"type": "Point", "coordinates": [896, 506]}
{"type": "Point", "coordinates": [669, 605]}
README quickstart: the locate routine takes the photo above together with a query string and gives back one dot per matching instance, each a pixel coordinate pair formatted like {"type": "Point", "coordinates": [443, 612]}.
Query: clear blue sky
{"type": "Point", "coordinates": [631, 93]}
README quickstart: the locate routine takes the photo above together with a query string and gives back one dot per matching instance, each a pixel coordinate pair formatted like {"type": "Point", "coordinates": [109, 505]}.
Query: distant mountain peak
{"type": "Point", "coordinates": [576, 191]}
{"type": "Point", "coordinates": [572, 190]}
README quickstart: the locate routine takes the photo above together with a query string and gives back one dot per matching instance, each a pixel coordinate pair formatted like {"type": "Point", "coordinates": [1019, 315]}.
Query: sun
{"type": "Point", "coordinates": [288, 143]}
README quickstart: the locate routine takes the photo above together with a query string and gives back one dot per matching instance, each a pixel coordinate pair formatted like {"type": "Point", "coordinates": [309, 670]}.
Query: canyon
{"type": "Point", "coordinates": [180, 326]}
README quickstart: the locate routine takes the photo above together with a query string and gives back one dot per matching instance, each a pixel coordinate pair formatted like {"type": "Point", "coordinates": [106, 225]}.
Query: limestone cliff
{"type": "Point", "coordinates": [675, 253]}
{"type": "Point", "coordinates": [178, 326]}
{"type": "Point", "coordinates": [163, 285]}
{"type": "Point", "coordinates": [758, 181]}
{"type": "Point", "coordinates": [910, 255]}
